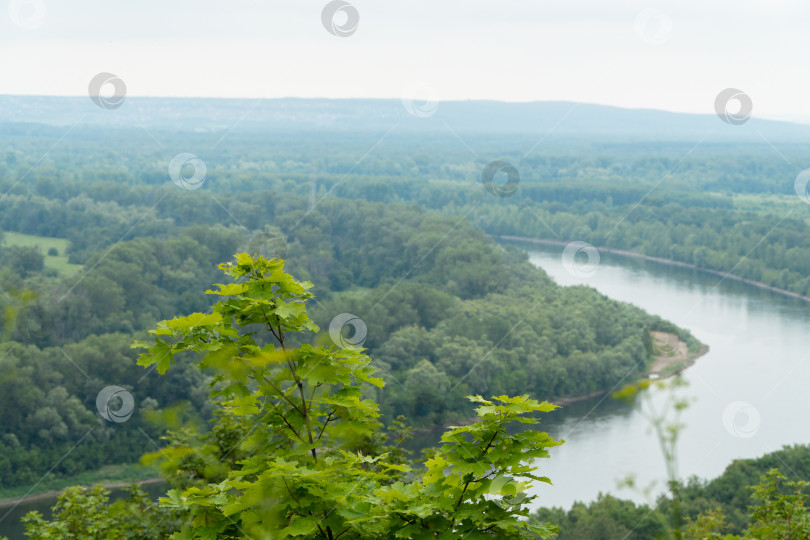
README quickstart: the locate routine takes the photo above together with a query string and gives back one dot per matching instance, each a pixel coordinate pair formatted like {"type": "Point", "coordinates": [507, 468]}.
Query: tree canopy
{"type": "Point", "coordinates": [296, 449]}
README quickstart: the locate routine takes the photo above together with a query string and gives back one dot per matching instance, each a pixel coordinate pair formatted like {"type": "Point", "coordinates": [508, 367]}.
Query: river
{"type": "Point", "coordinates": [749, 391]}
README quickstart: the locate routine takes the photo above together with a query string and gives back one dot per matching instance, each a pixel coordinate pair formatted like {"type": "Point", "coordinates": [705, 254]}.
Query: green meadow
{"type": "Point", "coordinates": [55, 262]}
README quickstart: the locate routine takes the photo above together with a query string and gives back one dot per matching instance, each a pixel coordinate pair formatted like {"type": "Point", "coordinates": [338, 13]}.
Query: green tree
{"type": "Point", "coordinates": [707, 525]}
{"type": "Point", "coordinates": [25, 260]}
{"type": "Point", "coordinates": [606, 518]}
{"type": "Point", "coordinates": [667, 425]}
{"type": "Point", "coordinates": [295, 450]}
{"type": "Point", "coordinates": [779, 515]}
{"type": "Point", "coordinates": [87, 514]}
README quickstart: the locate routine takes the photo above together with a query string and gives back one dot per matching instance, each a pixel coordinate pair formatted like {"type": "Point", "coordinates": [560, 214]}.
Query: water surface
{"type": "Point", "coordinates": [750, 391]}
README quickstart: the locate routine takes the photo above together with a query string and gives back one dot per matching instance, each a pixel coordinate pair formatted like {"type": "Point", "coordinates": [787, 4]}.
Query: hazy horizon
{"type": "Point", "coordinates": [675, 57]}
{"type": "Point", "coordinates": [796, 119]}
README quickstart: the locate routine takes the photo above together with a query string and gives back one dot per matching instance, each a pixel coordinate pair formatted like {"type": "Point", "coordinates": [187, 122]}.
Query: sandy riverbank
{"type": "Point", "coordinates": [13, 501]}
{"type": "Point", "coordinates": [673, 358]}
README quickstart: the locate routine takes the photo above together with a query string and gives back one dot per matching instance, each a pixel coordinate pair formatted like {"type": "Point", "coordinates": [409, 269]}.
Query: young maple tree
{"type": "Point", "coordinates": [297, 450]}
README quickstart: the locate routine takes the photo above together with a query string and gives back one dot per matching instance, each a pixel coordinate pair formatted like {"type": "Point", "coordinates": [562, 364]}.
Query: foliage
{"type": "Point", "coordinates": [665, 420]}
{"type": "Point", "coordinates": [449, 314]}
{"type": "Point", "coordinates": [777, 508]}
{"type": "Point", "coordinates": [307, 464]}
{"type": "Point", "coordinates": [779, 515]}
{"type": "Point", "coordinates": [729, 491]}
{"type": "Point", "coordinates": [87, 514]}
{"type": "Point", "coordinates": [23, 260]}
{"type": "Point", "coordinates": [708, 525]}
{"type": "Point", "coordinates": [48, 399]}
{"type": "Point", "coordinates": [710, 210]}
{"type": "Point", "coordinates": [434, 292]}
{"type": "Point", "coordinates": [606, 518]}
{"type": "Point", "coordinates": [437, 296]}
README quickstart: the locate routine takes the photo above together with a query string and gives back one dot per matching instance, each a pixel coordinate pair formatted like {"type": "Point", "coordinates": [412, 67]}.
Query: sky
{"type": "Point", "coordinates": [669, 55]}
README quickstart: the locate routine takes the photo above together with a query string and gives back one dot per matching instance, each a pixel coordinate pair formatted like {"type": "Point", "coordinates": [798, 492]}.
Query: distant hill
{"type": "Point", "coordinates": [561, 119]}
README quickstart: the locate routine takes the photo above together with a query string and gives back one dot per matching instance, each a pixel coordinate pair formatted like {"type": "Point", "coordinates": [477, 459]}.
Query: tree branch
{"type": "Point", "coordinates": [323, 427]}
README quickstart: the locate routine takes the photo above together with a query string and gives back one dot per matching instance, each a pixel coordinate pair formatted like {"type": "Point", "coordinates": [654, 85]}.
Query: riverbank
{"type": "Point", "coordinates": [5, 503]}
{"type": "Point", "coordinates": [635, 255]}
{"type": "Point", "coordinates": [673, 358]}
{"type": "Point", "coordinates": [113, 476]}
{"type": "Point", "coordinates": [674, 355]}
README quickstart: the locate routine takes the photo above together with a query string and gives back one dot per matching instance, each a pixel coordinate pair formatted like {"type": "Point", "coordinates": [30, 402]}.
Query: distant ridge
{"type": "Point", "coordinates": [562, 119]}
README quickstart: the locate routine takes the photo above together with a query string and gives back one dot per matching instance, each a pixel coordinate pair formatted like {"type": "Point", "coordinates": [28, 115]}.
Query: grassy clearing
{"type": "Point", "coordinates": [109, 474]}
{"type": "Point", "coordinates": [56, 262]}
{"type": "Point", "coordinates": [768, 204]}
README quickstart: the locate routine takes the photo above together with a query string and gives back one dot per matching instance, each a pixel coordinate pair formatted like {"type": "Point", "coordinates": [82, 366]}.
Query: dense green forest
{"type": "Point", "coordinates": [295, 447]}
{"type": "Point", "coordinates": [321, 466]}
{"type": "Point", "coordinates": [396, 238]}
{"type": "Point", "coordinates": [448, 313]}
{"type": "Point", "coordinates": [642, 197]}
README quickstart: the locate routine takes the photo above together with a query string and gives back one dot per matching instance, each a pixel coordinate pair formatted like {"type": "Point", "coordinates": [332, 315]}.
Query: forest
{"type": "Point", "coordinates": [716, 508]}
{"type": "Point", "coordinates": [436, 295]}
{"type": "Point", "coordinates": [99, 246]}
{"type": "Point", "coordinates": [323, 467]}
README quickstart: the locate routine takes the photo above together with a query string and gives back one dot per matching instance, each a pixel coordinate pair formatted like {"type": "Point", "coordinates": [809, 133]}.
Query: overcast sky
{"type": "Point", "coordinates": [665, 55]}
